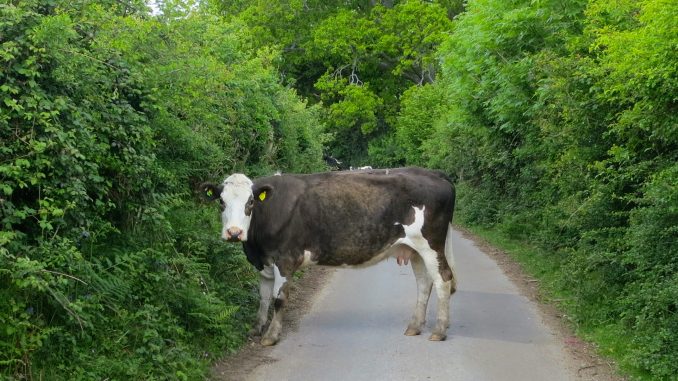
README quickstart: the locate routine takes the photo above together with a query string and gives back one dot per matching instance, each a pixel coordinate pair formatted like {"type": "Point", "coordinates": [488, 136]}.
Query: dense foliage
{"type": "Point", "coordinates": [561, 120]}
{"type": "Point", "coordinates": [558, 119]}
{"type": "Point", "coordinates": [109, 268]}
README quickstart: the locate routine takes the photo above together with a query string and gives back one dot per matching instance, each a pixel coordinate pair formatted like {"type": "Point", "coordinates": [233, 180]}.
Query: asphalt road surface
{"type": "Point", "coordinates": [354, 330]}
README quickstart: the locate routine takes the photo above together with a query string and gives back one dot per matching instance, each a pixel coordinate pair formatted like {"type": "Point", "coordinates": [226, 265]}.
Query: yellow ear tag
{"type": "Point", "coordinates": [262, 195]}
{"type": "Point", "coordinates": [209, 193]}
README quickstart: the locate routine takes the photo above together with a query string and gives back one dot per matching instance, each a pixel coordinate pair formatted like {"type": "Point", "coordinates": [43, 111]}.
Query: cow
{"type": "Point", "coordinates": [344, 218]}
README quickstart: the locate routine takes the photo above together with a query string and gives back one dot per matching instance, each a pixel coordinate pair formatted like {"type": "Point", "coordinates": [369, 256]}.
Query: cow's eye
{"type": "Point", "coordinates": [249, 206]}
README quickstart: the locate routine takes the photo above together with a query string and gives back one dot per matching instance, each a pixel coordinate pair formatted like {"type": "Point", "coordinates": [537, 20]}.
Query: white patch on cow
{"type": "Point", "coordinates": [235, 195]}
{"type": "Point", "coordinates": [413, 231]}
{"type": "Point", "coordinates": [279, 281]}
{"type": "Point", "coordinates": [308, 259]}
{"type": "Point", "coordinates": [415, 239]}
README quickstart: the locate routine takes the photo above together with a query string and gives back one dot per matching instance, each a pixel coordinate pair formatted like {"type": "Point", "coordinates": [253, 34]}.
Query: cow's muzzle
{"type": "Point", "coordinates": [233, 234]}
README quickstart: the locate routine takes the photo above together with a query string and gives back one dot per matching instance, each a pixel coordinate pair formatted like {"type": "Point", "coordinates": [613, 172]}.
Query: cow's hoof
{"type": "Point", "coordinates": [437, 337]}
{"type": "Point", "coordinates": [412, 331]}
{"type": "Point", "coordinates": [267, 341]}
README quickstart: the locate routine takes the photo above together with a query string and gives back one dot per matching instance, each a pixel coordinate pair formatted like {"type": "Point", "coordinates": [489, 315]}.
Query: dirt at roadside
{"type": "Point", "coordinates": [238, 366]}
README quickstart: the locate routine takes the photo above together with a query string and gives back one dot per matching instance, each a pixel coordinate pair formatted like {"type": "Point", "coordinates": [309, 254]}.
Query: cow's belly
{"type": "Point", "coordinates": [365, 247]}
{"type": "Point", "coordinates": [360, 259]}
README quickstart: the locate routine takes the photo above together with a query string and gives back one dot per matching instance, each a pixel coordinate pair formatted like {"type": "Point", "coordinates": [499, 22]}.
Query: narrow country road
{"type": "Point", "coordinates": [354, 330]}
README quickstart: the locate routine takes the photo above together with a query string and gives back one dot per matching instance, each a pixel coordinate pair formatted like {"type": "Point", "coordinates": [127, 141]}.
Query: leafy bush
{"type": "Point", "coordinates": [561, 125]}
{"type": "Point", "coordinates": [110, 268]}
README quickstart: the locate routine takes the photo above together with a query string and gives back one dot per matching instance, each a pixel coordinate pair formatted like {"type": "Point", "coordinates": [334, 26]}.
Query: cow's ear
{"type": "Point", "coordinates": [211, 192]}
{"type": "Point", "coordinates": [262, 192]}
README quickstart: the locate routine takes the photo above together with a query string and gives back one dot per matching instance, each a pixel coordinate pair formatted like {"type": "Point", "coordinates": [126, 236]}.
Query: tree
{"type": "Point", "coordinates": [357, 59]}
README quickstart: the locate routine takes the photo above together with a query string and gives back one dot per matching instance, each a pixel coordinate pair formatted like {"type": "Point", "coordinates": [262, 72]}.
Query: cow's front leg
{"type": "Point", "coordinates": [266, 283]}
{"type": "Point", "coordinates": [281, 293]}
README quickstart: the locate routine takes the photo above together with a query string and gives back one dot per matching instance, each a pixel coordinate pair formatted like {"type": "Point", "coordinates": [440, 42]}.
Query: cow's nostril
{"type": "Point", "coordinates": [234, 233]}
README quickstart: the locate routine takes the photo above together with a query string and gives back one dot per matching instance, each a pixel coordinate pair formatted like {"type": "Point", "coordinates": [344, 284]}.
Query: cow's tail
{"type": "Point", "coordinates": [449, 256]}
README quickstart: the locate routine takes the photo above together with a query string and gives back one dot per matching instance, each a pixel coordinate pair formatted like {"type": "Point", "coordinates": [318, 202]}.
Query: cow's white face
{"type": "Point", "coordinates": [236, 202]}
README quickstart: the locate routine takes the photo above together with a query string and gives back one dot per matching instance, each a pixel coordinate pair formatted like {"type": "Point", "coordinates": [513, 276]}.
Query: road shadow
{"type": "Point", "coordinates": [495, 316]}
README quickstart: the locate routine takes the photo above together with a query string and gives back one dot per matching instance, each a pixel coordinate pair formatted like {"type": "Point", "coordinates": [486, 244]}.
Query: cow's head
{"type": "Point", "coordinates": [237, 201]}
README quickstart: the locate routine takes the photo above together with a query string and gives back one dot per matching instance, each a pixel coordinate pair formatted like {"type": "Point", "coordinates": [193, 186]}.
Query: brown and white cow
{"type": "Point", "coordinates": [342, 219]}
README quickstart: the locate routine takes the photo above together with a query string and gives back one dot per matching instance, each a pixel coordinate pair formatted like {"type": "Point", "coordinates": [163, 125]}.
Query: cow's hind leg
{"type": "Point", "coordinates": [444, 288]}
{"type": "Point", "coordinates": [266, 283]}
{"type": "Point", "coordinates": [441, 273]}
{"type": "Point", "coordinates": [281, 293]}
{"type": "Point", "coordinates": [424, 284]}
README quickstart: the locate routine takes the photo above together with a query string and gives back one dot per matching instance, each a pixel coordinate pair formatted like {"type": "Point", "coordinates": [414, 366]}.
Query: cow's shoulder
{"type": "Point", "coordinates": [276, 200]}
